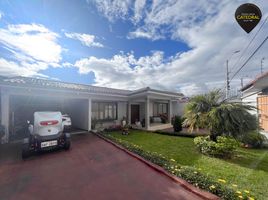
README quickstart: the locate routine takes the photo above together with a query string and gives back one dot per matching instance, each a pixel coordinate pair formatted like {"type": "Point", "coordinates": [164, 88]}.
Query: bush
{"type": "Point", "coordinates": [190, 174]}
{"type": "Point", "coordinates": [113, 128]}
{"type": "Point", "coordinates": [224, 147]}
{"type": "Point", "coordinates": [254, 139]}
{"type": "Point", "coordinates": [177, 124]}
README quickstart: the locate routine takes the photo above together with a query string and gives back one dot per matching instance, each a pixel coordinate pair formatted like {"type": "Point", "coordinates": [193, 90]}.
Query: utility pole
{"type": "Point", "coordinates": [242, 84]}
{"type": "Point", "coordinates": [228, 73]}
{"type": "Point", "coordinates": [227, 80]}
{"type": "Point", "coordinates": [262, 64]}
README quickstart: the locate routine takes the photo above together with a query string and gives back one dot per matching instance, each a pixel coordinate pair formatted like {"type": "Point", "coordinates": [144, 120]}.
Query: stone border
{"type": "Point", "coordinates": [201, 193]}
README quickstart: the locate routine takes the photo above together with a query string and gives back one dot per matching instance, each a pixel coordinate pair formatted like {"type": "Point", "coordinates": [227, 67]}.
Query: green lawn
{"type": "Point", "coordinates": [248, 170]}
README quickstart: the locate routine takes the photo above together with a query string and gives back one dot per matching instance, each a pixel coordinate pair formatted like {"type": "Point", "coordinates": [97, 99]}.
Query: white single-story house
{"type": "Point", "coordinates": [255, 94]}
{"type": "Point", "coordinates": [88, 106]}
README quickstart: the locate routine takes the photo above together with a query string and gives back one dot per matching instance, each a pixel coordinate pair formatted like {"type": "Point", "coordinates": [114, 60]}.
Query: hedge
{"type": "Point", "coordinates": [183, 134]}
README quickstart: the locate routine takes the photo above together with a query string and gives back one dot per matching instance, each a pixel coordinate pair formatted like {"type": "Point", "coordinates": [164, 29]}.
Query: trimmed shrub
{"type": "Point", "coordinates": [177, 124]}
{"type": "Point", "coordinates": [182, 134]}
{"type": "Point", "coordinates": [224, 147]}
{"type": "Point", "coordinates": [254, 139]}
{"type": "Point", "coordinates": [190, 174]}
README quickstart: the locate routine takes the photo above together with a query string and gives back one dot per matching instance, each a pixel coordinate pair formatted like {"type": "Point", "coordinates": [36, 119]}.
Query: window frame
{"type": "Point", "coordinates": [103, 110]}
{"type": "Point", "coordinates": [158, 108]}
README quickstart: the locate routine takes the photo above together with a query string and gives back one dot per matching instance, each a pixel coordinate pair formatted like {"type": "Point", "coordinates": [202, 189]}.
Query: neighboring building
{"type": "Point", "coordinates": [88, 106]}
{"type": "Point", "coordinates": [256, 94]}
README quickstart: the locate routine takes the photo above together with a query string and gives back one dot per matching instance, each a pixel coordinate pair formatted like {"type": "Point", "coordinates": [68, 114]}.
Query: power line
{"type": "Point", "coordinates": [225, 86]}
{"type": "Point", "coordinates": [244, 51]}
{"type": "Point", "coordinates": [249, 58]}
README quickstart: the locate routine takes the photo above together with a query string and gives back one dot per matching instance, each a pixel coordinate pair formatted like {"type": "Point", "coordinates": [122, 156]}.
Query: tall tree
{"type": "Point", "coordinates": [219, 116]}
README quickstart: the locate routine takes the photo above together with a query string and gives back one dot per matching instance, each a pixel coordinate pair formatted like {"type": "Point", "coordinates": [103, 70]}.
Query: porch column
{"type": "Point", "coordinates": [5, 115]}
{"type": "Point", "coordinates": [147, 113]}
{"type": "Point", "coordinates": [89, 113]}
{"type": "Point", "coordinates": [169, 111]}
{"type": "Point", "coordinates": [129, 112]}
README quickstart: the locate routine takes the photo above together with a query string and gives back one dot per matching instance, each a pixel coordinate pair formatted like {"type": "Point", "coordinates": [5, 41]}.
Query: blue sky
{"type": "Point", "coordinates": [176, 45]}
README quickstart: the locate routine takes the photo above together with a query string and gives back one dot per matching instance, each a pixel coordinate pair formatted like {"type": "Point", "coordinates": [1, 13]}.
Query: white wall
{"type": "Point", "coordinates": [178, 108]}
{"type": "Point", "coordinates": [252, 101]}
{"type": "Point", "coordinates": [122, 110]}
{"type": "Point", "coordinates": [78, 111]}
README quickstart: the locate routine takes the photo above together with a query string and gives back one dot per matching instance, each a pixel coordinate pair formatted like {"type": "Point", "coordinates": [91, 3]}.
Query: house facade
{"type": "Point", "coordinates": [256, 94]}
{"type": "Point", "coordinates": [90, 107]}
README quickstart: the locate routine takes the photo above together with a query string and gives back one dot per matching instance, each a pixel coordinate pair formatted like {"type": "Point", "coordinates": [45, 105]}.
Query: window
{"type": "Point", "coordinates": [160, 108]}
{"type": "Point", "coordinates": [104, 111]}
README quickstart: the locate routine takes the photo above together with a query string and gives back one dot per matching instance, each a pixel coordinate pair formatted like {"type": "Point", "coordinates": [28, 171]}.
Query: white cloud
{"type": "Point", "coordinates": [32, 47]}
{"type": "Point", "coordinates": [85, 39]}
{"type": "Point", "coordinates": [114, 9]}
{"type": "Point", "coordinates": [11, 68]}
{"type": "Point", "coordinates": [32, 40]}
{"type": "Point", "coordinates": [143, 33]}
{"type": "Point", "coordinates": [1, 14]}
{"type": "Point", "coordinates": [126, 71]}
{"type": "Point", "coordinates": [138, 10]}
{"type": "Point", "coordinates": [67, 64]}
{"type": "Point", "coordinates": [208, 27]}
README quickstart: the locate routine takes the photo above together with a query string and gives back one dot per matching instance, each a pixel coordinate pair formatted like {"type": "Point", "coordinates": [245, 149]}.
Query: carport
{"type": "Point", "coordinates": [21, 97]}
{"type": "Point", "coordinates": [22, 108]}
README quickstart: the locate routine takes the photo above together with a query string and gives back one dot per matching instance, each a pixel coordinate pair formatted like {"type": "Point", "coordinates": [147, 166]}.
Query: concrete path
{"type": "Point", "coordinates": [92, 169]}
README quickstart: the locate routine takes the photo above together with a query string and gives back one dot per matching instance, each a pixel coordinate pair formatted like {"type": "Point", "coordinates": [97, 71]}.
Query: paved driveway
{"type": "Point", "coordinates": [92, 169]}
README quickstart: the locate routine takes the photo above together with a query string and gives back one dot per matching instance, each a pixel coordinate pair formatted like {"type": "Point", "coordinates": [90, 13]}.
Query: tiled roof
{"type": "Point", "coordinates": [254, 81]}
{"type": "Point", "coordinates": [146, 89]}
{"type": "Point", "coordinates": [53, 84]}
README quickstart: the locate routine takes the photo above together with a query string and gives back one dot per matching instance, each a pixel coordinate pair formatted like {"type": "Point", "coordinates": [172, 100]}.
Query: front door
{"type": "Point", "coordinates": [135, 113]}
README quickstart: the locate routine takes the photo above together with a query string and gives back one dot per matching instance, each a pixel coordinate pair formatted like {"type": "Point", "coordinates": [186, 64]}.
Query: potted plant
{"type": "Point", "coordinates": [177, 124]}
{"type": "Point", "coordinates": [164, 118]}
{"type": "Point", "coordinates": [125, 129]}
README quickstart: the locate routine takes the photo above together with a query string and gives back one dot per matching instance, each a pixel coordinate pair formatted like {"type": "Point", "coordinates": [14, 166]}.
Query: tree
{"type": "Point", "coordinates": [219, 116]}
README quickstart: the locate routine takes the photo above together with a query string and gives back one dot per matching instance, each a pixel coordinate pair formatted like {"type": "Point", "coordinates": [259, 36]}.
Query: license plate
{"type": "Point", "coordinates": [49, 143]}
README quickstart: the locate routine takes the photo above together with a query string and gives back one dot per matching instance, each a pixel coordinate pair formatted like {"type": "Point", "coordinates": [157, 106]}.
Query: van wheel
{"type": "Point", "coordinates": [67, 144]}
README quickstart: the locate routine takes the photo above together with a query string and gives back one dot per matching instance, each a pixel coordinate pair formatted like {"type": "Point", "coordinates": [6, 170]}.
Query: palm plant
{"type": "Point", "coordinates": [219, 116]}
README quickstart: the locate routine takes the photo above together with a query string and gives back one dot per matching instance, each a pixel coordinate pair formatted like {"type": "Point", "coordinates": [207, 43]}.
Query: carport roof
{"type": "Point", "coordinates": [53, 84]}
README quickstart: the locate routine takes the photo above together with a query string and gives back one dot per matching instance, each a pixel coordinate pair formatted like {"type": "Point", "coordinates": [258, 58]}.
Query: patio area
{"type": "Point", "coordinates": [152, 112]}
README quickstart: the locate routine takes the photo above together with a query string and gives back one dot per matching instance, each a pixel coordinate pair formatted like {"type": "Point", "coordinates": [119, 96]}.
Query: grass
{"type": "Point", "coordinates": [248, 170]}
